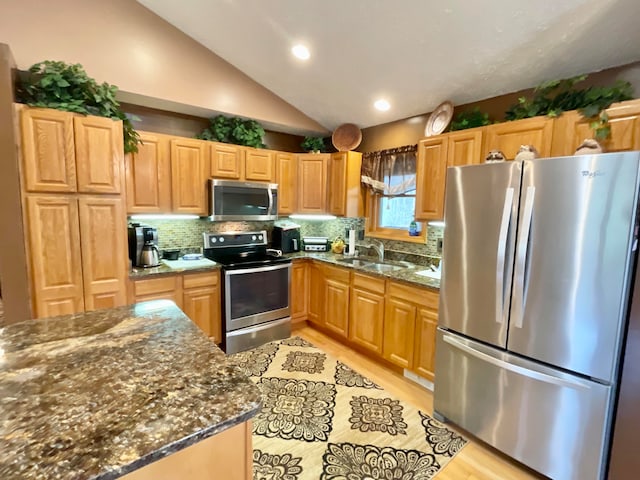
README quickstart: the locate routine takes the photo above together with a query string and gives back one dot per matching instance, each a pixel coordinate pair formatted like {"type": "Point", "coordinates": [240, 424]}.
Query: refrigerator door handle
{"type": "Point", "coordinates": [527, 372]}
{"type": "Point", "coordinates": [521, 258]}
{"type": "Point", "coordinates": [502, 251]}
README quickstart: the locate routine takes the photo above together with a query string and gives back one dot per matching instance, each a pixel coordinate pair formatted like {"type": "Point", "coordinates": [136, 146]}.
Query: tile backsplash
{"type": "Point", "coordinates": [186, 235]}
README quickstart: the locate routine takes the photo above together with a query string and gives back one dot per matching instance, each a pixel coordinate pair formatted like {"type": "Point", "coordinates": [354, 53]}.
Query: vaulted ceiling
{"type": "Point", "coordinates": [414, 53]}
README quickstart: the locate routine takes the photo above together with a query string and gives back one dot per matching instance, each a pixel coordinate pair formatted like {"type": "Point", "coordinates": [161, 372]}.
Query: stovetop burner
{"type": "Point", "coordinates": [240, 249]}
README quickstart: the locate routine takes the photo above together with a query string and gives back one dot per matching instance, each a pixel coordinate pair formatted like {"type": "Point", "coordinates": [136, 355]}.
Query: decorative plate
{"type": "Point", "coordinates": [346, 137]}
{"type": "Point", "coordinates": [439, 119]}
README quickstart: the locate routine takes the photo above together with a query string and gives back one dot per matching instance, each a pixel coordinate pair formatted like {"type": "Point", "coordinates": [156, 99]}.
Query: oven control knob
{"type": "Point", "coordinates": [253, 238]}
{"type": "Point", "coordinates": [213, 240]}
{"type": "Point", "coordinates": [221, 239]}
{"type": "Point", "coordinates": [259, 237]}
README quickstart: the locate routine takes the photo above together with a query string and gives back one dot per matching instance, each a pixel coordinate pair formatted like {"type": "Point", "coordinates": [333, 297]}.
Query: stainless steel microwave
{"type": "Point", "coordinates": [231, 200]}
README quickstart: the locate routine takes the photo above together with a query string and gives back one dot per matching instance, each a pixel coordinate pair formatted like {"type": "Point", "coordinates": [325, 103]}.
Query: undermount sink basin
{"type": "Point", "coordinates": [384, 267]}
{"type": "Point", "coordinates": [356, 262]}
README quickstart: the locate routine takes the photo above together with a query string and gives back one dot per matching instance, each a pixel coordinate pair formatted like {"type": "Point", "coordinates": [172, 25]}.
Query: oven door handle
{"type": "Point", "coordinates": [269, 268]}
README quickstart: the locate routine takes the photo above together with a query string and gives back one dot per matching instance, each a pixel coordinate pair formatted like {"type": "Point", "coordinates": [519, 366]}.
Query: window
{"type": "Point", "coordinates": [390, 176]}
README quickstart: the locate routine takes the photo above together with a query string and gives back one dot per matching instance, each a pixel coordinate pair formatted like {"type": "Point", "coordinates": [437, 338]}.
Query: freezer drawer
{"type": "Point", "coordinates": [553, 422]}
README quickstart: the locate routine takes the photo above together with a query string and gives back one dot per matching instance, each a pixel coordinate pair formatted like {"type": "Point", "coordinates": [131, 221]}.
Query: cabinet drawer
{"type": "Point", "coordinates": [337, 273]}
{"type": "Point", "coordinates": [367, 282]}
{"type": "Point", "coordinates": [418, 296]}
{"type": "Point", "coordinates": [155, 285]}
{"type": "Point", "coordinates": [195, 280]}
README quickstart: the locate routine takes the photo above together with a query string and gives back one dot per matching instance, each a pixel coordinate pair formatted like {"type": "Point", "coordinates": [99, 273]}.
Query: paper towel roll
{"type": "Point", "coordinates": [352, 242]}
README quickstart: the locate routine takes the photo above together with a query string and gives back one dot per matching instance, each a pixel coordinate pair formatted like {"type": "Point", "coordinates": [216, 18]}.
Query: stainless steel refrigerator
{"type": "Point", "coordinates": [537, 267]}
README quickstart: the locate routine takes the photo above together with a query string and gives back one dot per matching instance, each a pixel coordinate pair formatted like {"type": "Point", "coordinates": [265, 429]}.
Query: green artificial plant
{"type": "Point", "coordinates": [470, 119]}
{"type": "Point", "coordinates": [556, 96]}
{"type": "Point", "coordinates": [234, 130]}
{"type": "Point", "coordinates": [313, 144]}
{"type": "Point", "coordinates": [58, 85]}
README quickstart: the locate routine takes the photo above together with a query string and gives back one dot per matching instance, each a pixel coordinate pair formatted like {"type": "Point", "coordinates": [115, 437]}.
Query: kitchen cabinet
{"type": "Point", "coordinates": [189, 176]}
{"type": "Point", "coordinates": [103, 227]}
{"type": "Point", "coordinates": [345, 195]}
{"type": "Point", "coordinates": [287, 180]}
{"type": "Point", "coordinates": [160, 288]}
{"type": "Point", "coordinates": [366, 317]}
{"type": "Point", "coordinates": [312, 182]}
{"type": "Point", "coordinates": [435, 155]}
{"type": "Point", "coordinates": [399, 327]}
{"type": "Point", "coordinates": [259, 165]}
{"type": "Point", "coordinates": [148, 175]}
{"type": "Point", "coordinates": [336, 298]}
{"type": "Point", "coordinates": [201, 302]}
{"type": "Point", "coordinates": [508, 136]}
{"type": "Point", "coordinates": [571, 129]}
{"type": "Point", "coordinates": [316, 293]}
{"type": "Point", "coordinates": [299, 295]}
{"type": "Point", "coordinates": [227, 161]}
{"type": "Point", "coordinates": [53, 235]}
{"type": "Point", "coordinates": [64, 152]}
{"type": "Point", "coordinates": [424, 351]}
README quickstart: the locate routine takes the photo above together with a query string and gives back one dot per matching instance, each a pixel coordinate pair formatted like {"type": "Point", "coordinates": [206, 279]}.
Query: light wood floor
{"type": "Point", "coordinates": [474, 462]}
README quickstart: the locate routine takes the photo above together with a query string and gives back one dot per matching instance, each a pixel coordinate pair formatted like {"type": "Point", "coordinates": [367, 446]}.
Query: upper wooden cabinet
{"type": "Point", "coordinates": [99, 154]}
{"type": "Point", "coordinates": [431, 170]}
{"type": "Point", "coordinates": [287, 180]}
{"type": "Point", "coordinates": [571, 129]}
{"type": "Point", "coordinates": [227, 161]}
{"type": "Point", "coordinates": [259, 165]}
{"type": "Point", "coordinates": [312, 182]}
{"type": "Point", "coordinates": [189, 176]}
{"type": "Point", "coordinates": [148, 175]}
{"type": "Point", "coordinates": [507, 137]}
{"type": "Point", "coordinates": [65, 152]}
{"type": "Point", "coordinates": [48, 152]}
{"type": "Point", "coordinates": [103, 230]}
{"type": "Point", "coordinates": [465, 147]}
{"type": "Point", "coordinates": [345, 194]}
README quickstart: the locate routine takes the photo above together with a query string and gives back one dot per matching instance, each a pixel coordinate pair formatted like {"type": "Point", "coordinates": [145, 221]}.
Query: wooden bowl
{"type": "Point", "coordinates": [346, 137]}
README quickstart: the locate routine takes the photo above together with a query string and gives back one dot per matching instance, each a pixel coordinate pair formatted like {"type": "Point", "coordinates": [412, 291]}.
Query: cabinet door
{"type": "Point", "coordinates": [202, 305]}
{"type": "Point", "coordinates": [337, 306]}
{"type": "Point", "coordinates": [338, 183]}
{"type": "Point", "coordinates": [399, 328]}
{"type": "Point", "coordinates": [431, 170]}
{"type": "Point", "coordinates": [312, 183]}
{"type": "Point", "coordinates": [188, 176]}
{"type": "Point", "coordinates": [259, 165]}
{"type": "Point", "coordinates": [99, 154]}
{"type": "Point", "coordinates": [54, 253]}
{"type": "Point", "coordinates": [49, 158]}
{"type": "Point", "coordinates": [161, 288]}
{"type": "Point", "coordinates": [299, 290]}
{"type": "Point", "coordinates": [148, 176]}
{"type": "Point", "coordinates": [507, 137]}
{"type": "Point", "coordinates": [424, 354]}
{"type": "Point", "coordinates": [571, 129]}
{"type": "Point", "coordinates": [103, 231]}
{"type": "Point", "coordinates": [367, 319]}
{"type": "Point", "coordinates": [227, 161]}
{"type": "Point", "coordinates": [465, 147]}
{"type": "Point", "coordinates": [286, 178]}
{"type": "Point", "coordinates": [316, 294]}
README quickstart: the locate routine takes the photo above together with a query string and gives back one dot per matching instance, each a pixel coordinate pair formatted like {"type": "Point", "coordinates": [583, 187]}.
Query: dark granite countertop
{"type": "Point", "coordinates": [100, 394]}
{"type": "Point", "coordinates": [138, 273]}
{"type": "Point", "coordinates": [407, 275]}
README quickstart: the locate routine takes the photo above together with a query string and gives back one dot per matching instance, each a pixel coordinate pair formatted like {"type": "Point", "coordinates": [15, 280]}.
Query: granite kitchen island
{"type": "Point", "coordinates": [136, 391]}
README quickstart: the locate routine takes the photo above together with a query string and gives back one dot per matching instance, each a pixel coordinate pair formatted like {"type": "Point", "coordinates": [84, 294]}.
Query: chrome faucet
{"type": "Point", "coordinates": [378, 247]}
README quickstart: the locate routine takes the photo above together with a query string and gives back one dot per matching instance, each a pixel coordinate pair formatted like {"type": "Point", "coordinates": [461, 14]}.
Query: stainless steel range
{"type": "Point", "coordinates": [255, 289]}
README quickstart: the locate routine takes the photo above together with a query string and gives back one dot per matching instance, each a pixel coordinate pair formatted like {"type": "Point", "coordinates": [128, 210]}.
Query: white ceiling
{"type": "Point", "coordinates": [415, 53]}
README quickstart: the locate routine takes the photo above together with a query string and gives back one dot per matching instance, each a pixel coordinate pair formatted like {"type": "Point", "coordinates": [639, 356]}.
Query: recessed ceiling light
{"type": "Point", "coordinates": [382, 105]}
{"type": "Point", "coordinates": [301, 52]}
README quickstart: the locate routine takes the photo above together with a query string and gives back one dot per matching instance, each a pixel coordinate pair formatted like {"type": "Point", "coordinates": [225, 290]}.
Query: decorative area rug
{"type": "Point", "coordinates": [322, 420]}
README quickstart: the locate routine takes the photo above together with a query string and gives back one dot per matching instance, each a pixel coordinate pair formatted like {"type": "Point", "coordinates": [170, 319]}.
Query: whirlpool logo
{"type": "Point", "coordinates": [592, 173]}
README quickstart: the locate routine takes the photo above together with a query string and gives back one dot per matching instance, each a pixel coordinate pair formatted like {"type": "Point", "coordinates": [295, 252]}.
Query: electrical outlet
{"type": "Point", "coordinates": [439, 245]}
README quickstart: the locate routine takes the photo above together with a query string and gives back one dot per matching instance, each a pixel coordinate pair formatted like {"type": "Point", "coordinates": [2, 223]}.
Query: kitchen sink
{"type": "Point", "coordinates": [384, 267]}
{"type": "Point", "coordinates": [356, 262]}
{"type": "Point", "coordinates": [387, 266]}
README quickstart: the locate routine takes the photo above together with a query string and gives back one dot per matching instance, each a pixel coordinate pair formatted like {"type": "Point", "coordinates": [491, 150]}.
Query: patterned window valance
{"type": "Point", "coordinates": [390, 172]}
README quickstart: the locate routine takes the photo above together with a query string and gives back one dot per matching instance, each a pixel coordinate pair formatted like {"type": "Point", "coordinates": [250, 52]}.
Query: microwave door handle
{"type": "Point", "coordinates": [270, 195]}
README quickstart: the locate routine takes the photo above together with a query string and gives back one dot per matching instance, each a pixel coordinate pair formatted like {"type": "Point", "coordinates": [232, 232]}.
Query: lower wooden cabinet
{"type": "Point", "coordinates": [366, 317]}
{"type": "Point", "coordinates": [337, 306]}
{"type": "Point", "coordinates": [316, 293]}
{"type": "Point", "coordinates": [399, 327]}
{"type": "Point", "coordinates": [197, 294]}
{"type": "Point", "coordinates": [424, 352]}
{"type": "Point", "coordinates": [299, 294]}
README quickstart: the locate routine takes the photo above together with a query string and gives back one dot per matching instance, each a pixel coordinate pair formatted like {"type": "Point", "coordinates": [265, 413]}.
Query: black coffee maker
{"type": "Point", "coordinates": [286, 238]}
{"type": "Point", "coordinates": [143, 246]}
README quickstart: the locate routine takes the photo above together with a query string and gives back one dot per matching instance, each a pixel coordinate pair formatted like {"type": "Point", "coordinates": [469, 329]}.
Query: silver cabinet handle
{"type": "Point", "coordinates": [502, 251]}
{"type": "Point", "coordinates": [526, 372]}
{"type": "Point", "coordinates": [521, 258]}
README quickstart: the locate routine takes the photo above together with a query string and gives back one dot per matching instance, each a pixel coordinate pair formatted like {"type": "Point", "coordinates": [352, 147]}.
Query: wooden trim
{"type": "Point", "coordinates": [372, 229]}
